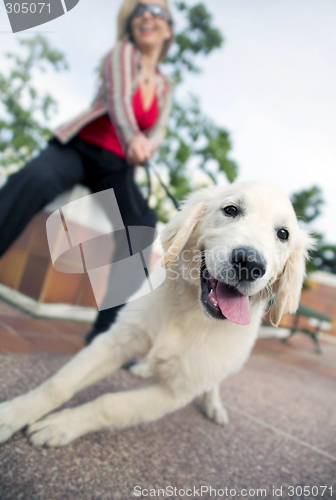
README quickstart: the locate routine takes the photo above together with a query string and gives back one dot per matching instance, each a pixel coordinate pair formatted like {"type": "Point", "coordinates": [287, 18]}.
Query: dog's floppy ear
{"type": "Point", "coordinates": [288, 286]}
{"type": "Point", "coordinates": [183, 229]}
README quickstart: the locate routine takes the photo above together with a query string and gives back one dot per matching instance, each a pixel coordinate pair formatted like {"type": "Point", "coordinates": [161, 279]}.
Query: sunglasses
{"type": "Point", "coordinates": [155, 9]}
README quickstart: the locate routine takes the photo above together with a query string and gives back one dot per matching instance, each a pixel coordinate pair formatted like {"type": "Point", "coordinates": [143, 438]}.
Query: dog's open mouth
{"type": "Point", "coordinates": [222, 301]}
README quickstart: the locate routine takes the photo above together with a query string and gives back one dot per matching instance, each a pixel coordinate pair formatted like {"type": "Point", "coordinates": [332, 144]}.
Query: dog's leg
{"type": "Point", "coordinates": [142, 370]}
{"type": "Point", "coordinates": [212, 406]}
{"type": "Point", "coordinates": [114, 411]}
{"type": "Point", "coordinates": [105, 355]}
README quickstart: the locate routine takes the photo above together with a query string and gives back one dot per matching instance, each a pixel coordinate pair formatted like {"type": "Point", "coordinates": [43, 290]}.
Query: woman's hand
{"type": "Point", "coordinates": [139, 150]}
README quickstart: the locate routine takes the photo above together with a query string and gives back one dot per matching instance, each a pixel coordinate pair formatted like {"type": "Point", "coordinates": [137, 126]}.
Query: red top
{"type": "Point", "coordinates": [101, 131]}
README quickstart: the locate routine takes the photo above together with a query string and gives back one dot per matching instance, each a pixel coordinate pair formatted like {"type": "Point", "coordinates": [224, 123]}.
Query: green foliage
{"type": "Point", "coordinates": [194, 142]}
{"type": "Point", "coordinates": [192, 136]}
{"type": "Point", "coordinates": [24, 110]}
{"type": "Point", "coordinates": [198, 37]}
{"type": "Point", "coordinates": [307, 205]}
{"type": "Point", "coordinates": [324, 257]}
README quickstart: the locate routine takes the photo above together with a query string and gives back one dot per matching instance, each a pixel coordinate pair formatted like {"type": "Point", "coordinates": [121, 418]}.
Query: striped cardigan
{"type": "Point", "coordinates": [120, 78]}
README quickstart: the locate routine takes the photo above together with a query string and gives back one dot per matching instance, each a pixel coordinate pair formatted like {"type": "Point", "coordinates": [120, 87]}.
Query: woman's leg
{"type": "Point", "coordinates": [57, 169]}
{"type": "Point", "coordinates": [134, 212]}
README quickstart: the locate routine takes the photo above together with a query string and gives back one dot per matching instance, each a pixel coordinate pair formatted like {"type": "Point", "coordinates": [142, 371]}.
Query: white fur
{"type": "Point", "coordinates": [188, 353]}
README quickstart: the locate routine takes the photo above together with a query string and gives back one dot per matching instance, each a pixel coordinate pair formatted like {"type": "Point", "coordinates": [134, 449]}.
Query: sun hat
{"type": "Point", "coordinates": [125, 11]}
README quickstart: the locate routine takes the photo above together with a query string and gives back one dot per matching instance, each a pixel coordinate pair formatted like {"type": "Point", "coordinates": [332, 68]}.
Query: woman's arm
{"type": "Point", "coordinates": [118, 68]}
{"type": "Point", "coordinates": [157, 133]}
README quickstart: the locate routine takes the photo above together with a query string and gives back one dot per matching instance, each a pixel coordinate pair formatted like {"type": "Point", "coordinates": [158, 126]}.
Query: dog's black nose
{"type": "Point", "coordinates": [248, 263]}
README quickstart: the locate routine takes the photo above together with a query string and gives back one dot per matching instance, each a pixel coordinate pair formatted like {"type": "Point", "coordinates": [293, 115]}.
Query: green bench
{"type": "Point", "coordinates": [313, 333]}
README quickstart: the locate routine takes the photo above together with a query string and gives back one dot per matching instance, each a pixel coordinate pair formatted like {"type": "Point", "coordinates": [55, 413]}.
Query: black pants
{"type": "Point", "coordinates": [57, 169]}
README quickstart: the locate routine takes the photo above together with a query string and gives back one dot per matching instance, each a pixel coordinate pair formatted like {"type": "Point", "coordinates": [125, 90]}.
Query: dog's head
{"type": "Point", "coordinates": [239, 244]}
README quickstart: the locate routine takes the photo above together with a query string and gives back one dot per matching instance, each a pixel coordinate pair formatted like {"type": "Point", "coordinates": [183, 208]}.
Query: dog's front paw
{"type": "Point", "coordinates": [213, 408]}
{"type": "Point", "coordinates": [141, 370]}
{"type": "Point", "coordinates": [218, 415]}
{"type": "Point", "coordinates": [55, 430]}
{"type": "Point", "coordinates": [11, 420]}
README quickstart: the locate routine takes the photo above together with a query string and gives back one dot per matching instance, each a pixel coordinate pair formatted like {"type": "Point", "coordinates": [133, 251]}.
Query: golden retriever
{"type": "Point", "coordinates": [227, 252]}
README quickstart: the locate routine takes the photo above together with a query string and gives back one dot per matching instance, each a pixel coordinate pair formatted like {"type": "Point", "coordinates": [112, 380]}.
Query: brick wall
{"type": "Point", "coordinates": [319, 296]}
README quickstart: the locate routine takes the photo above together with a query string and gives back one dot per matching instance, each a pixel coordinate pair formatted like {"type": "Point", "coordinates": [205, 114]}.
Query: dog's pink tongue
{"type": "Point", "coordinates": [234, 306]}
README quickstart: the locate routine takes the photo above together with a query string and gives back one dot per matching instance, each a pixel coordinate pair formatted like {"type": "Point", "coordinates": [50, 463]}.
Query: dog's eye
{"type": "Point", "coordinates": [283, 234]}
{"type": "Point", "coordinates": [230, 210]}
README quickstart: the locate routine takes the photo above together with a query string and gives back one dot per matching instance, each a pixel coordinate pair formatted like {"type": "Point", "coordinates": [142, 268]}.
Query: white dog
{"type": "Point", "coordinates": [228, 252]}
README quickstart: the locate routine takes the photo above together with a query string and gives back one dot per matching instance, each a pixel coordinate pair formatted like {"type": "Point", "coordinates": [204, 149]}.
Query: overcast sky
{"type": "Point", "coordinates": [272, 85]}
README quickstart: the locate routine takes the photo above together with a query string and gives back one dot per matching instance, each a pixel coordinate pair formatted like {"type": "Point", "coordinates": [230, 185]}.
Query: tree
{"type": "Point", "coordinates": [196, 150]}
{"type": "Point", "coordinates": [324, 257]}
{"type": "Point", "coordinates": [198, 37]}
{"type": "Point", "coordinates": [307, 205]}
{"type": "Point", "coordinates": [24, 110]}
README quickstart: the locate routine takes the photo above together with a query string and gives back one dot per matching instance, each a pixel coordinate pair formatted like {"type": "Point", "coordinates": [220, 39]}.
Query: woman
{"type": "Point", "coordinates": [124, 126]}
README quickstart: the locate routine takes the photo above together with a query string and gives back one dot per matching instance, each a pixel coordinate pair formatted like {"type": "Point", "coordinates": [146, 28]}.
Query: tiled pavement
{"type": "Point", "coordinates": [21, 333]}
{"type": "Point", "coordinates": [282, 429]}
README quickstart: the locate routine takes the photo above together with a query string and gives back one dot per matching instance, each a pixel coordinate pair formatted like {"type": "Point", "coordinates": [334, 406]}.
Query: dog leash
{"type": "Point", "coordinates": [147, 166]}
